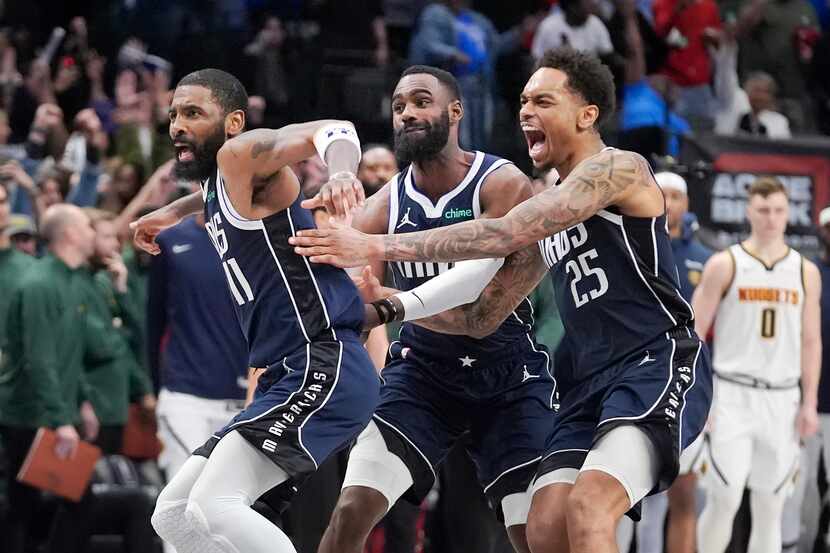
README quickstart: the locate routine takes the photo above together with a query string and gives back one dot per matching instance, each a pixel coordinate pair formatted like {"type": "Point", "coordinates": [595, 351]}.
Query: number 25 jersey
{"type": "Point", "coordinates": [616, 286]}
{"type": "Point", "coordinates": [758, 323]}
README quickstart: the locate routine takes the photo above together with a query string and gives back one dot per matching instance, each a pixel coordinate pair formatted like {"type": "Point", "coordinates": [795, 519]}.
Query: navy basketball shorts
{"type": "Point", "coordinates": [506, 405]}
{"type": "Point", "coordinates": [308, 406]}
{"type": "Point", "coordinates": [664, 389]}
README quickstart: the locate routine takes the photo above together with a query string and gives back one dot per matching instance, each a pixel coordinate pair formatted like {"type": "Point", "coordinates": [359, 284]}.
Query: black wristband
{"type": "Point", "coordinates": [383, 312]}
{"type": "Point", "coordinates": [387, 311]}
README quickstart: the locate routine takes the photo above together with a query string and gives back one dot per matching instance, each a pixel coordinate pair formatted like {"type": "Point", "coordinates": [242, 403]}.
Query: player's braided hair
{"type": "Point", "coordinates": [226, 89]}
{"type": "Point", "coordinates": [587, 76]}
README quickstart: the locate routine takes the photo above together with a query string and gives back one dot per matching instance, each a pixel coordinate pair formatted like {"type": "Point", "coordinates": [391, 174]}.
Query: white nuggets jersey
{"type": "Point", "coordinates": [758, 323]}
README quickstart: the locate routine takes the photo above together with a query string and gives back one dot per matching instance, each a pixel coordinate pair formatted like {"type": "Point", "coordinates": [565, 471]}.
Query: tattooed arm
{"type": "Point", "coordinates": [504, 189]}
{"type": "Point", "coordinates": [521, 273]}
{"type": "Point", "coordinates": [256, 164]}
{"type": "Point", "coordinates": [261, 153]}
{"type": "Point", "coordinates": [611, 177]}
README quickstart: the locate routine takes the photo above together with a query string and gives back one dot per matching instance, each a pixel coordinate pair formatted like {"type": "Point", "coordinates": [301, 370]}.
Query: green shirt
{"type": "Point", "coordinates": [41, 374]}
{"type": "Point", "coordinates": [112, 369]}
{"type": "Point", "coordinates": [12, 265]}
{"type": "Point", "coordinates": [137, 293]}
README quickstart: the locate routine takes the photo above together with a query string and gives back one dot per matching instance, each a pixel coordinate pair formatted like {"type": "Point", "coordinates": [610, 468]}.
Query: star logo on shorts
{"type": "Point", "coordinates": [467, 361]}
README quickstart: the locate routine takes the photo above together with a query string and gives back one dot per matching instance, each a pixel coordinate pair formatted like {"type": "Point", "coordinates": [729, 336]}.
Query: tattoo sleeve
{"type": "Point", "coordinates": [519, 276]}
{"type": "Point", "coordinates": [594, 184]}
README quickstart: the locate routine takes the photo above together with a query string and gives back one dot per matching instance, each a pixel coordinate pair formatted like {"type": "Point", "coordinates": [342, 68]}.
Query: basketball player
{"type": "Point", "coordinates": [638, 386]}
{"type": "Point", "coordinates": [302, 324]}
{"type": "Point", "coordinates": [764, 298]}
{"type": "Point", "coordinates": [463, 370]}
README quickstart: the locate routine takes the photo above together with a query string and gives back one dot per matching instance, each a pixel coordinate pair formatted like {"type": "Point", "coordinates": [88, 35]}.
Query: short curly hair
{"type": "Point", "coordinates": [587, 76]}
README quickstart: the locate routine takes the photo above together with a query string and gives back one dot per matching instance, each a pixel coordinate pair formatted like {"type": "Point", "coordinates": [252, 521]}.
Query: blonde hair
{"type": "Point", "coordinates": [766, 186]}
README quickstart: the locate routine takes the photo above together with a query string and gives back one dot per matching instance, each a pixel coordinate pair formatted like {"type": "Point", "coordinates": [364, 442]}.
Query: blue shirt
{"type": "Point", "coordinates": [644, 107]}
{"type": "Point", "coordinates": [188, 309]}
{"type": "Point", "coordinates": [472, 40]}
{"type": "Point", "coordinates": [690, 256]}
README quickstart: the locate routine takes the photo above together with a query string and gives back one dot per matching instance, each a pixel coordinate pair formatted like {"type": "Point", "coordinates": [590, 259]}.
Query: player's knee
{"type": "Point", "coordinates": [591, 508]}
{"type": "Point", "coordinates": [356, 513]}
{"type": "Point", "coordinates": [169, 520]}
{"type": "Point", "coordinates": [546, 529]}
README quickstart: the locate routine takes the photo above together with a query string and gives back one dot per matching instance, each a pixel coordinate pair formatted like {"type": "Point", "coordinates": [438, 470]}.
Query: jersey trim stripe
{"type": "Point", "coordinates": [285, 281]}
{"type": "Point", "coordinates": [734, 270]}
{"type": "Point", "coordinates": [643, 278]}
{"type": "Point", "coordinates": [511, 469]}
{"type": "Point", "coordinates": [685, 393]}
{"type": "Point", "coordinates": [284, 403]}
{"type": "Point", "coordinates": [761, 261]}
{"type": "Point", "coordinates": [231, 215]}
{"type": "Point", "coordinates": [654, 243]}
{"type": "Point", "coordinates": [477, 191]}
{"type": "Point", "coordinates": [299, 279]}
{"type": "Point", "coordinates": [313, 278]}
{"type": "Point", "coordinates": [322, 359]}
{"type": "Point", "coordinates": [436, 211]}
{"type": "Point", "coordinates": [608, 216]}
{"type": "Point", "coordinates": [659, 398]}
{"type": "Point", "coordinates": [393, 203]}
{"type": "Point", "coordinates": [410, 442]}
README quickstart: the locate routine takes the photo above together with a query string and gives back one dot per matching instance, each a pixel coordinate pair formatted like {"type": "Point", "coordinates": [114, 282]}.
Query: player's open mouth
{"type": "Point", "coordinates": [183, 152]}
{"type": "Point", "coordinates": [536, 141]}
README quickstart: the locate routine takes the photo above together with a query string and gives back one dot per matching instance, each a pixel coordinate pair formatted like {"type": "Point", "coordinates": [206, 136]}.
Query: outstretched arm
{"type": "Point", "coordinates": [261, 153]}
{"type": "Point", "coordinates": [610, 177]}
{"type": "Point", "coordinates": [518, 277]}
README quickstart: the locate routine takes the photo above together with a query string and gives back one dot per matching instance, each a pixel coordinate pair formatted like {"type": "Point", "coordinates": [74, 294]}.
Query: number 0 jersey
{"type": "Point", "coordinates": [758, 323]}
{"type": "Point", "coordinates": [616, 287]}
{"type": "Point", "coordinates": [282, 301]}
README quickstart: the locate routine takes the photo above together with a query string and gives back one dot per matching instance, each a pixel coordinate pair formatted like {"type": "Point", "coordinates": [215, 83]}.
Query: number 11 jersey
{"type": "Point", "coordinates": [282, 300]}
{"type": "Point", "coordinates": [616, 287]}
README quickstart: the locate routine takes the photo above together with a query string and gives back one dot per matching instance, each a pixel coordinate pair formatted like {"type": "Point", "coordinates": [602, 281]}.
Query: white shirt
{"type": "Point", "coordinates": [733, 103]}
{"type": "Point", "coordinates": [554, 31]}
{"type": "Point", "coordinates": [758, 323]}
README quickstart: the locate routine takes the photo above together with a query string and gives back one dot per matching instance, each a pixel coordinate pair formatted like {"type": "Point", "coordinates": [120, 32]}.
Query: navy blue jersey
{"type": "Point", "coordinates": [282, 301]}
{"type": "Point", "coordinates": [205, 353]}
{"type": "Point", "coordinates": [616, 287]}
{"type": "Point", "coordinates": [409, 211]}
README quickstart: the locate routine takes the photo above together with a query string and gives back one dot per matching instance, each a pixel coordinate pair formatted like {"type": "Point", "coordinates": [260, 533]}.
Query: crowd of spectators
{"type": "Point", "coordinates": [84, 94]}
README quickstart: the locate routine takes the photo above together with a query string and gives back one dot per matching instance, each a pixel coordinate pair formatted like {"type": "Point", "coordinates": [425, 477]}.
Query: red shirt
{"type": "Point", "coordinates": [689, 66]}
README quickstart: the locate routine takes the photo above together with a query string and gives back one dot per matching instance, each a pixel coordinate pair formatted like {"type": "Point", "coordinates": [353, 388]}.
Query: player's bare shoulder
{"type": "Point", "coordinates": [505, 188]}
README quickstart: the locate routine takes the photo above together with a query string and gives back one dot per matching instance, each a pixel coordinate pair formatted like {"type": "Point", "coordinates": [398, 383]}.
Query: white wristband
{"type": "Point", "coordinates": [460, 285]}
{"type": "Point", "coordinates": [333, 132]}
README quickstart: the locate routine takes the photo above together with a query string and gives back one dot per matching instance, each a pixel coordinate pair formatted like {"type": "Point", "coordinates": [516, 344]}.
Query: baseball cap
{"type": "Point", "coordinates": [671, 181]}
{"type": "Point", "coordinates": [20, 225]}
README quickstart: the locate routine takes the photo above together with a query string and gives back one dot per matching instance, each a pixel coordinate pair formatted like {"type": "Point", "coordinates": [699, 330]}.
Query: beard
{"type": "Point", "coordinates": [409, 149]}
{"type": "Point", "coordinates": [203, 164]}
